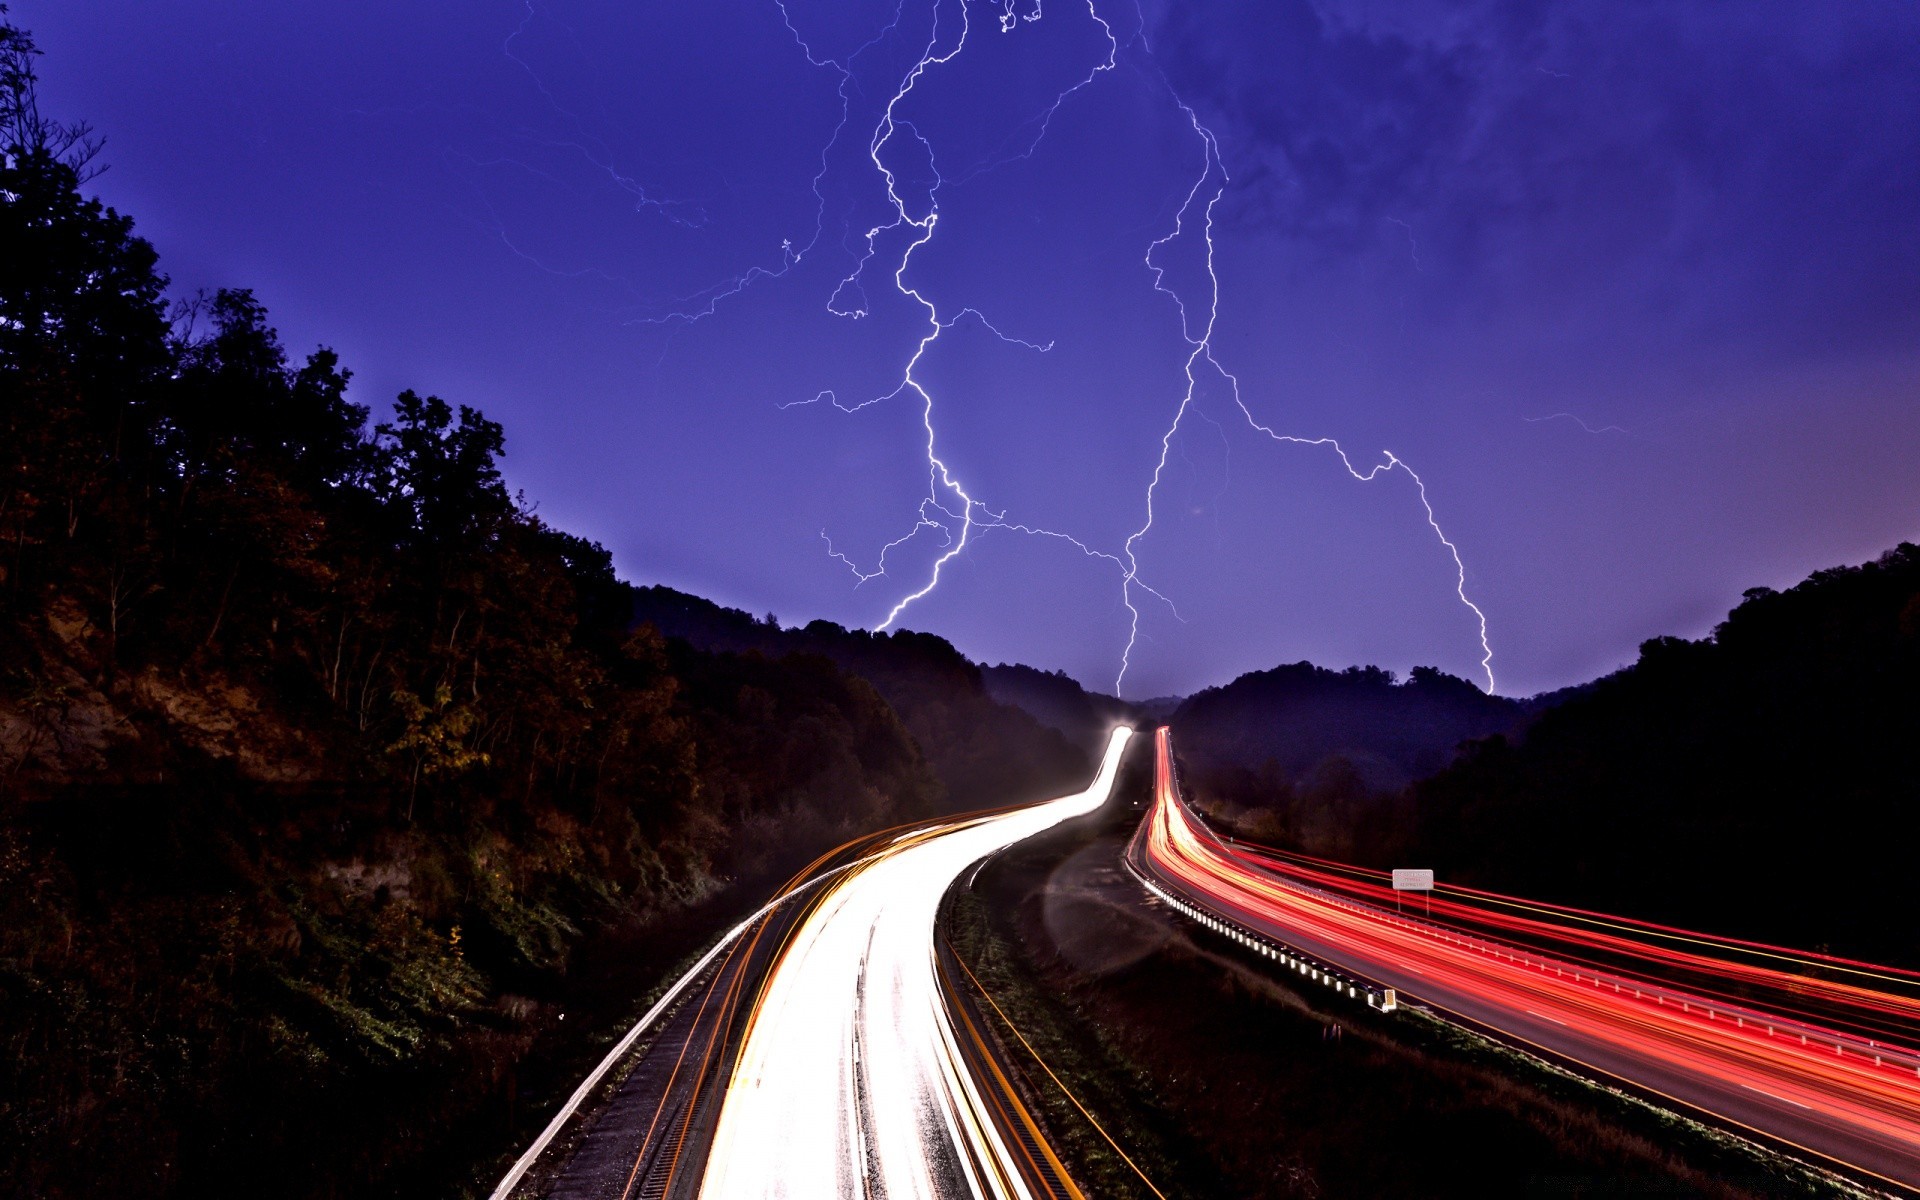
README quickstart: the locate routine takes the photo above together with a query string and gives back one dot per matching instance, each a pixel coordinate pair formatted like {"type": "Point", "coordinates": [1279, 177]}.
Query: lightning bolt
{"type": "Point", "coordinates": [960, 517]}
{"type": "Point", "coordinates": [1200, 344]}
{"type": "Point", "coordinates": [948, 511]}
{"type": "Point", "coordinates": [1577, 421]}
{"type": "Point", "coordinates": [940, 477]}
{"type": "Point", "coordinates": [1413, 246]}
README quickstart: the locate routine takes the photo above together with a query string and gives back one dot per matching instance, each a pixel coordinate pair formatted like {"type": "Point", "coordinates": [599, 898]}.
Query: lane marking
{"type": "Point", "coordinates": [1781, 1099]}
{"type": "Point", "coordinates": [1543, 1016]}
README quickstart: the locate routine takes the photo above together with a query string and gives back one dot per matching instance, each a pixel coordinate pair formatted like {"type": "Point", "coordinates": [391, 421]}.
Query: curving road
{"type": "Point", "coordinates": [854, 1077]}
{"type": "Point", "coordinates": [824, 1047]}
{"type": "Point", "coordinates": [1826, 1062]}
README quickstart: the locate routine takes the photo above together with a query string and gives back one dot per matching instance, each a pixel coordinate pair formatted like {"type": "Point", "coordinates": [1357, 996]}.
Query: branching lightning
{"type": "Point", "coordinates": [948, 511]}
{"type": "Point", "coordinates": [960, 517]}
{"type": "Point", "coordinates": [599, 155]}
{"type": "Point", "coordinates": [1201, 352]}
{"type": "Point", "coordinates": [1561, 416]}
{"type": "Point", "coordinates": [705, 301]}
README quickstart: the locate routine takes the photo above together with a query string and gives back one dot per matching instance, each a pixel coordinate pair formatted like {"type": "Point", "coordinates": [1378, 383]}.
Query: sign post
{"type": "Point", "coordinates": [1407, 879]}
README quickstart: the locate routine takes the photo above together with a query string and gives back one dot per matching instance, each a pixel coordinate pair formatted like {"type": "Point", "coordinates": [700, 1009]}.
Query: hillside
{"type": "Point", "coordinates": [1299, 716]}
{"type": "Point", "coordinates": [1320, 760]}
{"type": "Point", "coordinates": [985, 752]}
{"type": "Point", "coordinates": [1764, 780]}
{"type": "Point", "coordinates": [332, 780]}
{"type": "Point", "coordinates": [1057, 701]}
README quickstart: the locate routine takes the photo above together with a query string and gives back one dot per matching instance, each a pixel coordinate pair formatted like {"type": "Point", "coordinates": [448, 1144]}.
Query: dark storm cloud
{"type": "Point", "coordinates": [1748, 172]}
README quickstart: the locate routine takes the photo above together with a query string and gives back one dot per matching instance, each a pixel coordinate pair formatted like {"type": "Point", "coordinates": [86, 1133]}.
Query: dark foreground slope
{"type": "Point", "coordinates": [1763, 781]}
{"type": "Point", "coordinates": [332, 781]}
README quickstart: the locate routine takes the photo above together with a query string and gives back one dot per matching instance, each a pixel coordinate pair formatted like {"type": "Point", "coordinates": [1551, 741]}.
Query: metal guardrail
{"type": "Point", "coordinates": [1773, 1026]}
{"type": "Point", "coordinates": [1761, 1023]}
{"type": "Point", "coordinates": [1382, 999]}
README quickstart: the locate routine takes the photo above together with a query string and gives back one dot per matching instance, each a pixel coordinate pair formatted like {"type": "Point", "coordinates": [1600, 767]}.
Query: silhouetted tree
{"type": "Point", "coordinates": [1758, 781]}
{"type": "Point", "coordinates": [322, 760]}
{"type": "Point", "coordinates": [442, 473]}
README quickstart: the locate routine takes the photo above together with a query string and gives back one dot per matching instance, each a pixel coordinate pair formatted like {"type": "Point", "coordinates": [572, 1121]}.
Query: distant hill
{"type": "Point", "coordinates": [1058, 701]}
{"type": "Point", "coordinates": [1299, 716]}
{"type": "Point", "coordinates": [1764, 780]}
{"type": "Point", "coordinates": [985, 751]}
{"type": "Point", "coordinates": [1158, 708]}
{"type": "Point", "coordinates": [1319, 760]}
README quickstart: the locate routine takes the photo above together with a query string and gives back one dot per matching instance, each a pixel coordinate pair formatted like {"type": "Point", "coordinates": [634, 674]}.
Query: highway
{"type": "Point", "coordinates": [1814, 1052]}
{"type": "Point", "coordinates": [827, 1046]}
{"type": "Point", "coordinates": [854, 1077]}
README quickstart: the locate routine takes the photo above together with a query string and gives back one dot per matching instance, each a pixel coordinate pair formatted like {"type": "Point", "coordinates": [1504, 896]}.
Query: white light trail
{"type": "Point", "coordinates": [850, 1080]}
{"type": "Point", "coordinates": [511, 1180]}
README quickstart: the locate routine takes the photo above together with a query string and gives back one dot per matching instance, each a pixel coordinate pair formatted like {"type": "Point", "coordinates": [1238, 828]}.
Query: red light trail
{"type": "Point", "coordinates": [1828, 1062]}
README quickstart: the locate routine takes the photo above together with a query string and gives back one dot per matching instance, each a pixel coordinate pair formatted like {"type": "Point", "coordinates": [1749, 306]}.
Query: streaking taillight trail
{"type": "Point", "coordinates": [1824, 1061]}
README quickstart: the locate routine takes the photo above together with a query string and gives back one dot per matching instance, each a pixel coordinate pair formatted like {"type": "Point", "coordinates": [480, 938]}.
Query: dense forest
{"type": "Point", "coordinates": [1058, 701]}
{"type": "Point", "coordinates": [1764, 780]}
{"type": "Point", "coordinates": [1321, 760]}
{"type": "Point", "coordinates": [1760, 781]}
{"type": "Point", "coordinates": [986, 751]}
{"type": "Point", "coordinates": [331, 778]}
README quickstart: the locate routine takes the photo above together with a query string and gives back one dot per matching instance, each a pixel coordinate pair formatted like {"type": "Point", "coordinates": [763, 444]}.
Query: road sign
{"type": "Point", "coordinates": [1408, 880]}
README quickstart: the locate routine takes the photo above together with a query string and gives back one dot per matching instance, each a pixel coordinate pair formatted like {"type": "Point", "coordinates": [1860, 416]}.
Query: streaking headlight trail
{"type": "Point", "coordinates": [851, 1080]}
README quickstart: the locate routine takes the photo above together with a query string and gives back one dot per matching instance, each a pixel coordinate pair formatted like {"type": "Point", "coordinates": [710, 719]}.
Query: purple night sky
{"type": "Point", "coordinates": [1634, 288]}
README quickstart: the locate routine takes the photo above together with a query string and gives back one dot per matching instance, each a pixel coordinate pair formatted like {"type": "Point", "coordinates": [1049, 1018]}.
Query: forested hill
{"type": "Point", "coordinates": [330, 777]}
{"type": "Point", "coordinates": [1320, 760]}
{"type": "Point", "coordinates": [987, 753]}
{"type": "Point", "coordinates": [1762, 781]}
{"type": "Point", "coordinates": [1059, 702]}
{"type": "Point", "coordinates": [1299, 716]}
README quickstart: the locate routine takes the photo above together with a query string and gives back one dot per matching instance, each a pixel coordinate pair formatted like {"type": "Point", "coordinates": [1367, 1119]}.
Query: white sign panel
{"type": "Point", "coordinates": [1407, 880]}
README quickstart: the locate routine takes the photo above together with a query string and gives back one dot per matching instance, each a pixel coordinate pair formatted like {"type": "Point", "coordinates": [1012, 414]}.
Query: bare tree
{"type": "Point", "coordinates": [24, 130]}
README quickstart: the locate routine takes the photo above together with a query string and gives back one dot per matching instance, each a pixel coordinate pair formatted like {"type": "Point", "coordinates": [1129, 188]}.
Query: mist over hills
{"type": "Point", "coordinates": [1058, 701]}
